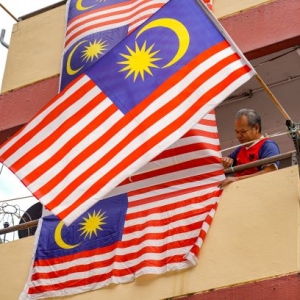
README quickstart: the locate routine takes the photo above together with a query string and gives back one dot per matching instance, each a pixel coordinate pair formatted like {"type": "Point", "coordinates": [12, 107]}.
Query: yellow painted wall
{"type": "Point", "coordinates": [36, 44]}
{"type": "Point", "coordinates": [225, 8]}
{"type": "Point", "coordinates": [254, 235]}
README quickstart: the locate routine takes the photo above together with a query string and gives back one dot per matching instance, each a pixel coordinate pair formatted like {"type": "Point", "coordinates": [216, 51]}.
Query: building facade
{"type": "Point", "coordinates": [252, 249]}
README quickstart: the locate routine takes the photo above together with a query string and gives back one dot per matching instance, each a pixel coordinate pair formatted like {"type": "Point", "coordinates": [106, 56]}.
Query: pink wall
{"type": "Point", "coordinates": [265, 29]}
{"type": "Point", "coordinates": [281, 288]}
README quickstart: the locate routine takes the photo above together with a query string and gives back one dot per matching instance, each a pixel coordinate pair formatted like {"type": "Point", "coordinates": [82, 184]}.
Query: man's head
{"type": "Point", "coordinates": [247, 125]}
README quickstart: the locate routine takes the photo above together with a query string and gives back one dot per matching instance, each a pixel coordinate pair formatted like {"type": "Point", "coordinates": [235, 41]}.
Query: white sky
{"type": "Point", "coordinates": [10, 186]}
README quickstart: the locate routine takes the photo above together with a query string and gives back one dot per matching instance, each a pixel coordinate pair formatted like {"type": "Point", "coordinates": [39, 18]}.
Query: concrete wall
{"type": "Point", "coordinates": [254, 235]}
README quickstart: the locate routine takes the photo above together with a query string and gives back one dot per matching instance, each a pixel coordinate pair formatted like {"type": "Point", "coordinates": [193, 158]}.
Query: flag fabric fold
{"type": "Point", "coordinates": [152, 223]}
{"type": "Point", "coordinates": [105, 125]}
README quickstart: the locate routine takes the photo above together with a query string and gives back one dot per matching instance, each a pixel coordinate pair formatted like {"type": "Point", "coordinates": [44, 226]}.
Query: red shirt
{"type": "Point", "coordinates": [247, 155]}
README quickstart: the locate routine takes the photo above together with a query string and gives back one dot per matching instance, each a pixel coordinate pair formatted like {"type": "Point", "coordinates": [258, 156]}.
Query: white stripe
{"type": "Point", "coordinates": [209, 116]}
{"type": "Point", "coordinates": [208, 128]}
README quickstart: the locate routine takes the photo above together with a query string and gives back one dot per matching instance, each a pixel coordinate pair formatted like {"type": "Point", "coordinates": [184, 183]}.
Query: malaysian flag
{"type": "Point", "coordinates": [154, 222]}
{"type": "Point", "coordinates": [94, 28]}
{"type": "Point", "coordinates": [158, 83]}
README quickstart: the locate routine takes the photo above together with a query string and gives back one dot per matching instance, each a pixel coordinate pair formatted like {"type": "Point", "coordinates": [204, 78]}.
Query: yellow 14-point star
{"type": "Point", "coordinates": [139, 61]}
{"type": "Point", "coordinates": [92, 224]}
{"type": "Point", "coordinates": [94, 50]}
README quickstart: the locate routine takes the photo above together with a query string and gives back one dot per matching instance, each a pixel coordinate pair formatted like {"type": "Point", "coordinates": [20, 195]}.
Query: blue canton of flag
{"type": "Point", "coordinates": [102, 225]}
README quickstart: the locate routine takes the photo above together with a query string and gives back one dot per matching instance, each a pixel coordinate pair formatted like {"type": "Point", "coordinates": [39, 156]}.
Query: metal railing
{"type": "Point", "coordinates": [257, 163]}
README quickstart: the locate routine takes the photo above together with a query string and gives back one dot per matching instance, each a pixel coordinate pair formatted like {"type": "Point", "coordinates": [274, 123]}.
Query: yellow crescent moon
{"type": "Point", "coordinates": [69, 60]}
{"type": "Point", "coordinates": [79, 6]}
{"type": "Point", "coordinates": [179, 29]}
{"type": "Point", "coordinates": [58, 239]}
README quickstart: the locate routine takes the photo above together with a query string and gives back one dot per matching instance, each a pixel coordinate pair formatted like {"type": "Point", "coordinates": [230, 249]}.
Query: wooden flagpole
{"type": "Point", "coordinates": [276, 102]}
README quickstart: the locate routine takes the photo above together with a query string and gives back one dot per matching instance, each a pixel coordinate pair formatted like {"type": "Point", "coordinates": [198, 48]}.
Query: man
{"type": "Point", "coordinates": [248, 130]}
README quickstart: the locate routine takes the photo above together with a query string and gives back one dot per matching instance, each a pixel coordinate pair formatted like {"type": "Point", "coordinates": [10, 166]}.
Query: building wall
{"type": "Point", "coordinates": [254, 236]}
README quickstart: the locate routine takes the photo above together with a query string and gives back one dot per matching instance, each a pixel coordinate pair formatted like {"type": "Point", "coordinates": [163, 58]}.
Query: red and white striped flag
{"type": "Point", "coordinates": [154, 222]}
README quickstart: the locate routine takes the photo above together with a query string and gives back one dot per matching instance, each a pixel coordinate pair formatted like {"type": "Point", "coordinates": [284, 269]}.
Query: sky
{"type": "Point", "coordinates": [10, 186]}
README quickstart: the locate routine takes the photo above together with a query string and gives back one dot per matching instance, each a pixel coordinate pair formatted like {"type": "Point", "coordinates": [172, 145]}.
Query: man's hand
{"type": "Point", "coordinates": [227, 162]}
{"type": "Point", "coordinates": [227, 181]}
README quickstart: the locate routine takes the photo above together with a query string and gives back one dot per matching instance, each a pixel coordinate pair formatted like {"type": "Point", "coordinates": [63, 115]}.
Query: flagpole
{"type": "Point", "coordinates": [241, 54]}
{"type": "Point", "coordinates": [276, 102]}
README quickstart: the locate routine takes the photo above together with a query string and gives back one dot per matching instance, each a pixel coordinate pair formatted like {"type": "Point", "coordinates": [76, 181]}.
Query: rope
{"type": "Point", "coordinates": [280, 133]}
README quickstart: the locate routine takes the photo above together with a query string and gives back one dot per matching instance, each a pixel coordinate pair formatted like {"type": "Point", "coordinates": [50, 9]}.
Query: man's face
{"type": "Point", "coordinates": [244, 132]}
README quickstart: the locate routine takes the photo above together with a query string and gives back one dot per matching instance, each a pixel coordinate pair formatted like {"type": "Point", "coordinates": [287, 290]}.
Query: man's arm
{"type": "Point", "coordinates": [268, 149]}
{"type": "Point", "coordinates": [228, 180]}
